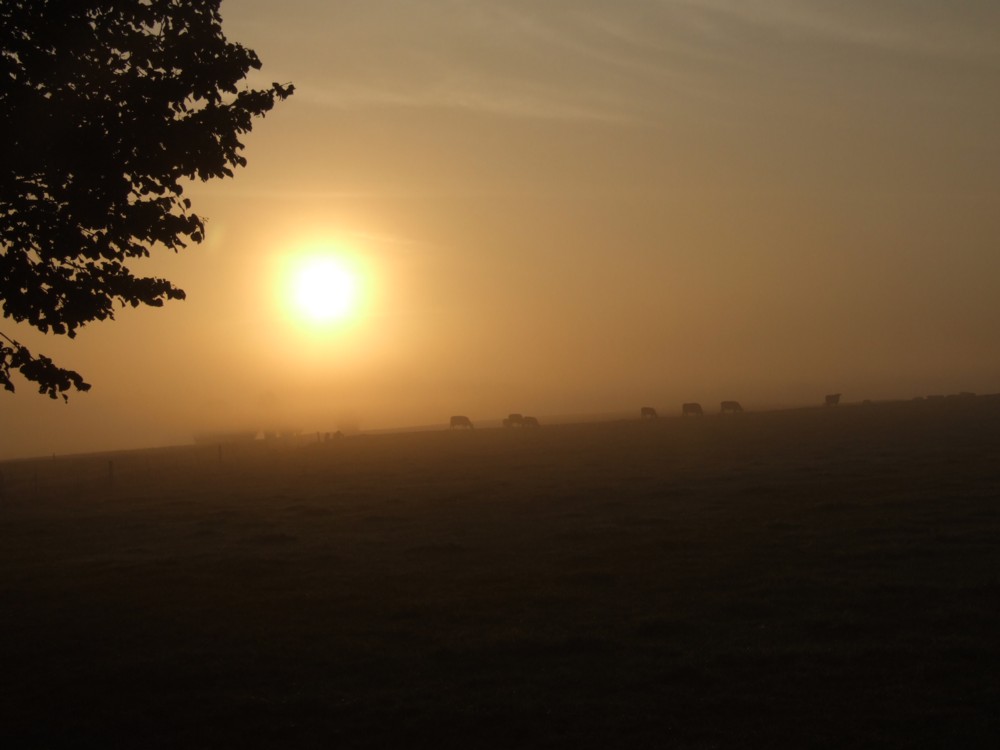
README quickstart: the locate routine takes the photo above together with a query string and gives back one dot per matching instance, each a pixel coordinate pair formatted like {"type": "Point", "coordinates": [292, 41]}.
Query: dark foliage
{"type": "Point", "coordinates": [105, 107]}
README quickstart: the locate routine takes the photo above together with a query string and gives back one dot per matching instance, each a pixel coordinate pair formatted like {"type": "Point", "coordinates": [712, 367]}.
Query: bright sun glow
{"type": "Point", "coordinates": [323, 289]}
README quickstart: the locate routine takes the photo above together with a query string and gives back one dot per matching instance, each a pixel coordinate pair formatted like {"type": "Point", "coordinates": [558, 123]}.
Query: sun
{"type": "Point", "coordinates": [324, 289]}
{"type": "Point", "coordinates": [320, 290]}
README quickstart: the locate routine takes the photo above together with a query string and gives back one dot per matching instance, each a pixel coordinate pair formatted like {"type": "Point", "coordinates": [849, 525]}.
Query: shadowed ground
{"type": "Point", "coordinates": [814, 578]}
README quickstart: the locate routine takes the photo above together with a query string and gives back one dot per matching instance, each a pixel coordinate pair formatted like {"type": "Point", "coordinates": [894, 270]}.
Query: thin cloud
{"type": "Point", "coordinates": [626, 63]}
{"type": "Point", "coordinates": [489, 58]}
{"type": "Point", "coordinates": [517, 101]}
{"type": "Point", "coordinates": [964, 30]}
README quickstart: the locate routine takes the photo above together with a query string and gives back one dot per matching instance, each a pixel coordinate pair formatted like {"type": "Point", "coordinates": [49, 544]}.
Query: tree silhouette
{"type": "Point", "coordinates": [106, 106]}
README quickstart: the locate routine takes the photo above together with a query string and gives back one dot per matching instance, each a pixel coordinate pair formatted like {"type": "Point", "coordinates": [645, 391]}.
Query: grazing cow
{"type": "Point", "coordinates": [530, 422]}
{"type": "Point", "coordinates": [832, 399]}
{"type": "Point", "coordinates": [461, 421]}
{"type": "Point", "coordinates": [691, 410]}
{"type": "Point", "coordinates": [514, 420]}
{"type": "Point", "coordinates": [647, 412]}
{"type": "Point", "coordinates": [731, 407]}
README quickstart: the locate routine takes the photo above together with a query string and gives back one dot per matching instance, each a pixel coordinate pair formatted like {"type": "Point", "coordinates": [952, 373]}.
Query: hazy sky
{"type": "Point", "coordinates": [574, 206]}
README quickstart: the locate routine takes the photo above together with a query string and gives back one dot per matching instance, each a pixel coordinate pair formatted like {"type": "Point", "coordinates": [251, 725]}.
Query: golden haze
{"type": "Point", "coordinates": [563, 209]}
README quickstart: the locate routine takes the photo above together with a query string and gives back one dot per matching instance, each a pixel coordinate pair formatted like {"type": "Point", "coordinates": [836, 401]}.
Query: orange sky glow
{"type": "Point", "coordinates": [570, 208]}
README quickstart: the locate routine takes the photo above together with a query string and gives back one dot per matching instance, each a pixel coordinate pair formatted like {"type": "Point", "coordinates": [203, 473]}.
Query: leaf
{"type": "Point", "coordinates": [104, 109]}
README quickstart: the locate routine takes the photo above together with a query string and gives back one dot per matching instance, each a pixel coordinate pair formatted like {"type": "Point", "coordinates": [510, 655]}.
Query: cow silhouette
{"type": "Point", "coordinates": [832, 399]}
{"type": "Point", "coordinates": [461, 421]}
{"type": "Point", "coordinates": [691, 410]}
{"type": "Point", "coordinates": [648, 412]}
{"type": "Point", "coordinates": [731, 407]}
{"type": "Point", "coordinates": [514, 420]}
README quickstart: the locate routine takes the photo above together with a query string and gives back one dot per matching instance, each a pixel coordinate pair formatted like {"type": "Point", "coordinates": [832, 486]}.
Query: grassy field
{"type": "Point", "coordinates": [804, 578]}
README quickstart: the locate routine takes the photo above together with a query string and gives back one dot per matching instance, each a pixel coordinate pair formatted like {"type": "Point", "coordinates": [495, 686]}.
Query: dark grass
{"type": "Point", "coordinates": [814, 578]}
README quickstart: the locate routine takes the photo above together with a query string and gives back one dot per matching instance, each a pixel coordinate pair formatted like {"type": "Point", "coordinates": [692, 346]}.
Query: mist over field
{"type": "Point", "coordinates": [821, 577]}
